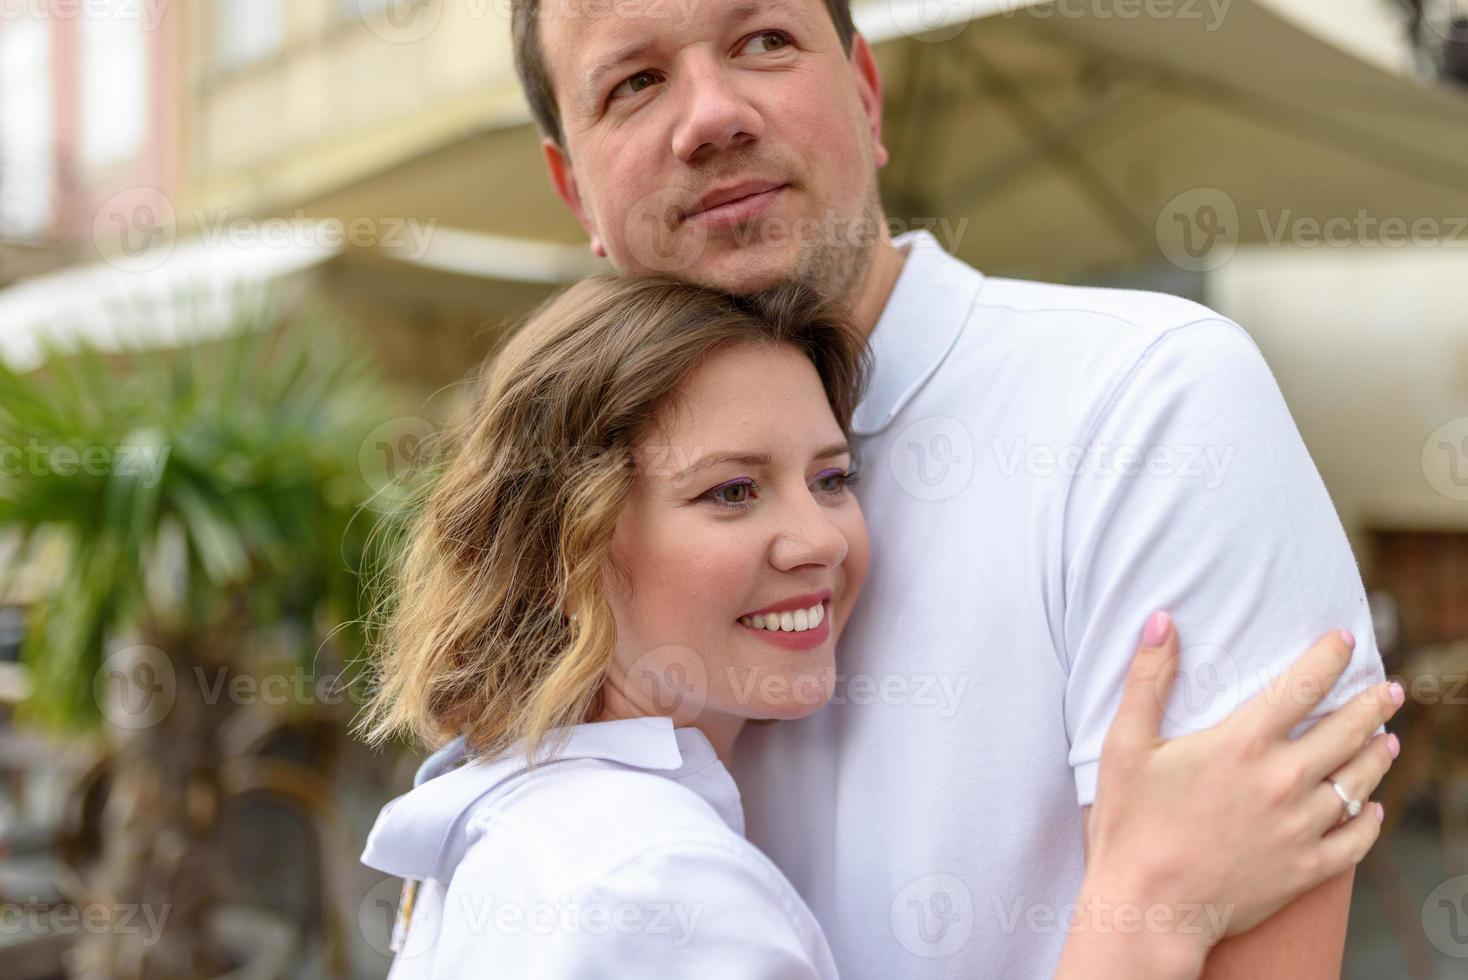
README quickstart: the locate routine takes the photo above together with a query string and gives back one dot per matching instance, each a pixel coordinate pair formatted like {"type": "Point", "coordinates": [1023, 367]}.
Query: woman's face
{"type": "Point", "coordinates": [739, 520]}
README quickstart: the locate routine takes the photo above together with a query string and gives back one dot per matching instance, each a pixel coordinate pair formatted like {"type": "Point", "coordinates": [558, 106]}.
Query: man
{"type": "Point", "coordinates": [1045, 465]}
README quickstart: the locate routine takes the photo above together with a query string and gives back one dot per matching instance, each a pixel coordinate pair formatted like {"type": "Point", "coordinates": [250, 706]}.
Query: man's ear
{"type": "Point", "coordinates": [869, 87]}
{"type": "Point", "coordinates": [563, 182]}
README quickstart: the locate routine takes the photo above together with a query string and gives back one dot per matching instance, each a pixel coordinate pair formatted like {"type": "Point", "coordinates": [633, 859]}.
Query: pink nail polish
{"type": "Point", "coordinates": [1380, 812]}
{"type": "Point", "coordinates": [1347, 638]}
{"type": "Point", "coordinates": [1397, 694]}
{"type": "Point", "coordinates": [1155, 633]}
{"type": "Point", "coordinates": [1393, 745]}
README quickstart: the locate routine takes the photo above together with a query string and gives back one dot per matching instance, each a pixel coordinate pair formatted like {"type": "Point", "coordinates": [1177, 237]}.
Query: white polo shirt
{"type": "Point", "coordinates": [1043, 466]}
{"type": "Point", "coordinates": [620, 857]}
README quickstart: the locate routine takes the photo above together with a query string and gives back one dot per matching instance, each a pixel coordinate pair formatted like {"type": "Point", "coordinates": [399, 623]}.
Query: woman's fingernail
{"type": "Point", "coordinates": [1380, 812]}
{"type": "Point", "coordinates": [1395, 692]}
{"type": "Point", "coordinates": [1347, 638]}
{"type": "Point", "coordinates": [1156, 632]}
{"type": "Point", "coordinates": [1393, 745]}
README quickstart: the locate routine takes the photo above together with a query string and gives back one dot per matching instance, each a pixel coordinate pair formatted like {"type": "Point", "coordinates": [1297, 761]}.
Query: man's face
{"type": "Point", "coordinates": [729, 143]}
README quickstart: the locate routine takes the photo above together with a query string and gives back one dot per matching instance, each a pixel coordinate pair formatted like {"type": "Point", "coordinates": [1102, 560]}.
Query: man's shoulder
{"type": "Point", "coordinates": [1137, 315]}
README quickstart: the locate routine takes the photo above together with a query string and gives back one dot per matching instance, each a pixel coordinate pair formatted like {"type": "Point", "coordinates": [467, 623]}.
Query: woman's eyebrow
{"type": "Point", "coordinates": [750, 459]}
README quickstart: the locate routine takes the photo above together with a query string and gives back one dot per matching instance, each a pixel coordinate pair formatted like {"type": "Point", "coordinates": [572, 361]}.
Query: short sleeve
{"type": "Point", "coordinates": [1195, 494]}
{"type": "Point", "coordinates": [696, 908]}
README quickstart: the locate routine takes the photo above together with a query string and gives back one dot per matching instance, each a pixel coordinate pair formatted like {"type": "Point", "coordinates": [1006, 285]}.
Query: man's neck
{"type": "Point", "coordinates": [877, 285]}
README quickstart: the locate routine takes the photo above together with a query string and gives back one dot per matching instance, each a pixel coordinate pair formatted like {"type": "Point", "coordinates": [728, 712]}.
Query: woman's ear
{"type": "Point", "coordinates": [563, 182]}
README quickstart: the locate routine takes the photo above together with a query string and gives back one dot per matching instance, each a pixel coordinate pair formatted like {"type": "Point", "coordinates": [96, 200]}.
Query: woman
{"type": "Point", "coordinates": [648, 539]}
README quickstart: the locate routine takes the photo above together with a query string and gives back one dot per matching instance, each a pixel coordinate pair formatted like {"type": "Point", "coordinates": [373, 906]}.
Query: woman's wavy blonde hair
{"type": "Point", "coordinates": [517, 526]}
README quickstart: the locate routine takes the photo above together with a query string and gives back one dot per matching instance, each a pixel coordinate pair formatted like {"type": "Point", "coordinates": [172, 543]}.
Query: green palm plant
{"type": "Point", "coordinates": [194, 511]}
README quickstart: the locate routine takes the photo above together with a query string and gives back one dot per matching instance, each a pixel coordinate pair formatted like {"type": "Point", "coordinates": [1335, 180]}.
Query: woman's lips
{"type": "Point", "coordinates": [804, 640]}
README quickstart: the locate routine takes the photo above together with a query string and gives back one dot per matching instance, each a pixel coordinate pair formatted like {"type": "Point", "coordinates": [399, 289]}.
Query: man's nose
{"type": "Point", "coordinates": [715, 114]}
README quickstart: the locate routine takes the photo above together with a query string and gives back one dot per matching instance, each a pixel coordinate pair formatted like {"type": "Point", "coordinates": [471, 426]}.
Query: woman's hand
{"type": "Point", "coordinates": [1214, 832]}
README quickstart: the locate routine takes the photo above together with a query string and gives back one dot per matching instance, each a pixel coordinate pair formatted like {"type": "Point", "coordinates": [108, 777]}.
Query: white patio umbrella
{"type": "Point", "coordinates": [1058, 137]}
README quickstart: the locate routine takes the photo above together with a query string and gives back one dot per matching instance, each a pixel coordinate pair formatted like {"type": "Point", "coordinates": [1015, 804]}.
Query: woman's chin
{"type": "Point", "coordinates": [796, 697]}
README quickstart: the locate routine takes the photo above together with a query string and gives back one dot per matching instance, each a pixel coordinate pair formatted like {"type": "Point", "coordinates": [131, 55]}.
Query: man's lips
{"type": "Point", "coordinates": [735, 203]}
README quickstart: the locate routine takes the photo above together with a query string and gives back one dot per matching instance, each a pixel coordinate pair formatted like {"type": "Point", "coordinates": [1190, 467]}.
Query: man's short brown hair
{"type": "Point", "coordinates": [535, 77]}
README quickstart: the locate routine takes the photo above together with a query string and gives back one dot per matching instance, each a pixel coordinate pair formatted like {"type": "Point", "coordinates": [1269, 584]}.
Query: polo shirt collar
{"type": "Point", "coordinates": [422, 834]}
{"type": "Point", "coordinates": [929, 305]}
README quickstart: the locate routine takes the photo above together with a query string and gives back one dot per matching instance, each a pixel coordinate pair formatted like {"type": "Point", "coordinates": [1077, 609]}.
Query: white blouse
{"type": "Point", "coordinates": [622, 855]}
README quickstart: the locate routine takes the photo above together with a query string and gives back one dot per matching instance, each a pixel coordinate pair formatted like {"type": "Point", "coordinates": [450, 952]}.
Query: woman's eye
{"type": "Point", "coordinates": [837, 482]}
{"type": "Point", "coordinates": [633, 84]}
{"type": "Point", "coordinates": [732, 495]}
{"type": "Point", "coordinates": [765, 42]}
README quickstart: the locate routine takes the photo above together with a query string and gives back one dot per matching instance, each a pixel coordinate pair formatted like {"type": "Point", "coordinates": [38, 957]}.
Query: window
{"type": "Point", "coordinates": [26, 161]}
{"type": "Point", "coordinates": [114, 89]}
{"type": "Point", "coordinates": [246, 31]}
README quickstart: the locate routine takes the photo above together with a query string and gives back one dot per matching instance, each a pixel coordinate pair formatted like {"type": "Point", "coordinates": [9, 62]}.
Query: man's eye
{"type": "Point", "coordinates": [765, 42]}
{"type": "Point", "coordinates": [633, 84]}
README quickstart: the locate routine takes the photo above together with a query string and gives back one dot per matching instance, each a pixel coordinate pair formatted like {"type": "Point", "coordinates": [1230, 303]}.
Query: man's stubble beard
{"type": "Point", "coordinates": [833, 266]}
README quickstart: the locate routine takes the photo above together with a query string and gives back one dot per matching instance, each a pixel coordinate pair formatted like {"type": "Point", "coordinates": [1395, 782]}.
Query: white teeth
{"type": "Point", "coordinates": [796, 621]}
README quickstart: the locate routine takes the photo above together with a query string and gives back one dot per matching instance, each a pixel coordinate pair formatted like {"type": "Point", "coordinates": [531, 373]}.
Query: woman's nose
{"type": "Point", "coordinates": [715, 114]}
{"type": "Point", "coordinates": [808, 537]}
